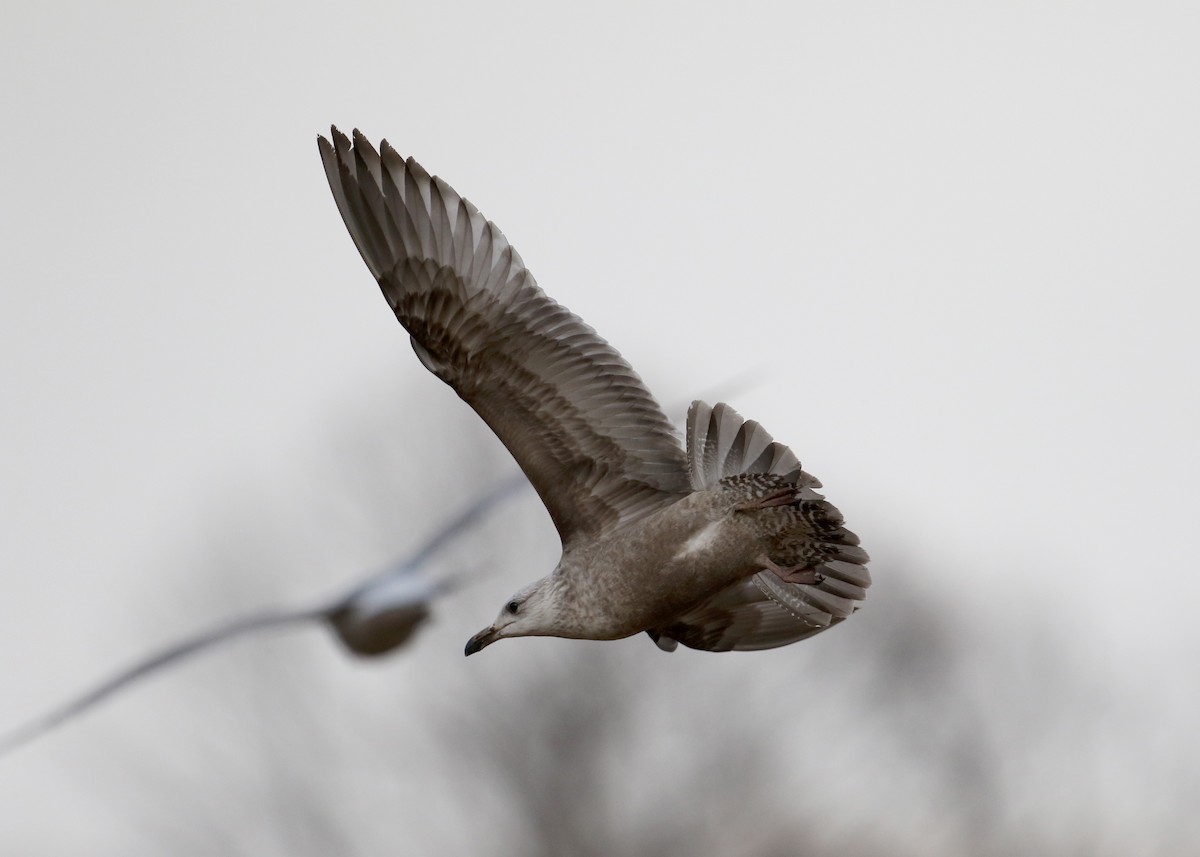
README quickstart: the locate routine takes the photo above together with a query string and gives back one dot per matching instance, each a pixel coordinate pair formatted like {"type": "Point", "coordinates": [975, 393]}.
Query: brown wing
{"type": "Point", "coordinates": [763, 612]}
{"type": "Point", "coordinates": [575, 416]}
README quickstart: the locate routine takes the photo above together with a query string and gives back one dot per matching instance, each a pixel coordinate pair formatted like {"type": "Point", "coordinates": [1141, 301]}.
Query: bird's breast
{"type": "Point", "coordinates": [661, 566]}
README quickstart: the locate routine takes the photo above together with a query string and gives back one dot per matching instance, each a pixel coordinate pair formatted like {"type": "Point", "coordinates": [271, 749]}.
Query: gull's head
{"type": "Point", "coordinates": [531, 612]}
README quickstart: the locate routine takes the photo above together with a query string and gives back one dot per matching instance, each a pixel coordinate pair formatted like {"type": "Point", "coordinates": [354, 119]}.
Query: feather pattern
{"type": "Point", "coordinates": [579, 421]}
{"type": "Point", "coordinates": [763, 611]}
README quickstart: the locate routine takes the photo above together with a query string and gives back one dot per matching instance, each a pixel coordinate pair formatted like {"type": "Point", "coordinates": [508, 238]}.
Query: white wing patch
{"type": "Point", "coordinates": [700, 542]}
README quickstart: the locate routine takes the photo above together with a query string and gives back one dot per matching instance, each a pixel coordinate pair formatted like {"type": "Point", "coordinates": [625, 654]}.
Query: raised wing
{"type": "Point", "coordinates": [762, 612]}
{"type": "Point", "coordinates": [575, 416]}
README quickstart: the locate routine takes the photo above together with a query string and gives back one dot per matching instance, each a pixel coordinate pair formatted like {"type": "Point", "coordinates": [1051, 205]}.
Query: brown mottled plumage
{"type": "Point", "coordinates": [726, 546]}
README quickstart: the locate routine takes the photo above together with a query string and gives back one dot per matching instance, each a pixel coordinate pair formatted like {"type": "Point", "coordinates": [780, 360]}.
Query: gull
{"type": "Point", "coordinates": [371, 618]}
{"type": "Point", "coordinates": [718, 544]}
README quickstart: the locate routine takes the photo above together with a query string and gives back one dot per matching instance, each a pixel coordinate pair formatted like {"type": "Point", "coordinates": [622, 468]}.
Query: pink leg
{"type": "Point", "coordinates": [793, 574]}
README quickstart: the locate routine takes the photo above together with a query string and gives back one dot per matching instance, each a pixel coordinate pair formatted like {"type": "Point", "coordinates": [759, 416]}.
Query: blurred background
{"type": "Point", "coordinates": [957, 243]}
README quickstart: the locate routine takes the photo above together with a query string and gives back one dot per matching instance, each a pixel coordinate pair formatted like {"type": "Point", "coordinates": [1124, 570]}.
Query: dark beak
{"type": "Point", "coordinates": [484, 638]}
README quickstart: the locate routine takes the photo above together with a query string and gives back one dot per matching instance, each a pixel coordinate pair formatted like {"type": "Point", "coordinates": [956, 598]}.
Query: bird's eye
{"type": "Point", "coordinates": [512, 606]}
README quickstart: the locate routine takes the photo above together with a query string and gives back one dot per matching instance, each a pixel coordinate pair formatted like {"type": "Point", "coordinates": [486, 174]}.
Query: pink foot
{"type": "Point", "coordinates": [793, 574]}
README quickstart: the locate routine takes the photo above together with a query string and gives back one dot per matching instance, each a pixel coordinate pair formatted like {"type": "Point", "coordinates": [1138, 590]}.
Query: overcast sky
{"type": "Point", "coordinates": [959, 240]}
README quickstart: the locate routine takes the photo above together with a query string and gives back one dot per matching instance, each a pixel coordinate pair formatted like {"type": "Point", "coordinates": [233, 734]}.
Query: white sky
{"type": "Point", "coordinates": [962, 237]}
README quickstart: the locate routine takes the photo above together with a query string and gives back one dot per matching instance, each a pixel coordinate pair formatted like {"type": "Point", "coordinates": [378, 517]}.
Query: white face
{"type": "Point", "coordinates": [527, 613]}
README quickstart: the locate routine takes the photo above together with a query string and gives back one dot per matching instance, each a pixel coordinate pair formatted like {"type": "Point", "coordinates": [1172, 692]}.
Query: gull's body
{"type": "Point", "coordinates": [722, 545]}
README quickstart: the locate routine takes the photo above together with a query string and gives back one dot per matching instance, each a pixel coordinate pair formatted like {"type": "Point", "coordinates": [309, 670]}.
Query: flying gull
{"type": "Point", "coordinates": [720, 545]}
{"type": "Point", "coordinates": [371, 618]}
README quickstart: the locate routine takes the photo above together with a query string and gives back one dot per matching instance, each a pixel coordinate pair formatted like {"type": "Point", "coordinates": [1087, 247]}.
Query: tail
{"type": "Point", "coordinates": [720, 443]}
